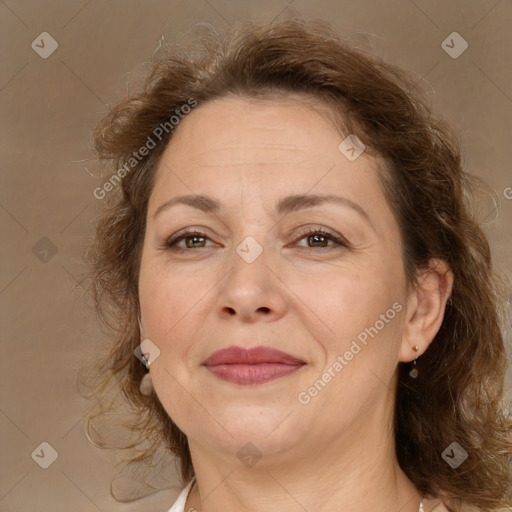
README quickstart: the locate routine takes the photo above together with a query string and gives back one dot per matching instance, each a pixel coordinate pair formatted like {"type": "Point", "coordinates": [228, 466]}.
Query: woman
{"type": "Point", "coordinates": [292, 247]}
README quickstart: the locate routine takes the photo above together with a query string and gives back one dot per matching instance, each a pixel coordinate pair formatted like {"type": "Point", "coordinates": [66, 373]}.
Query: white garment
{"type": "Point", "coordinates": [179, 504]}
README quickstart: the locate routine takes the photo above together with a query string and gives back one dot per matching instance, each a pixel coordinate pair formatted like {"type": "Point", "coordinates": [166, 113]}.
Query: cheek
{"type": "Point", "coordinates": [172, 308]}
{"type": "Point", "coordinates": [363, 309]}
{"type": "Point", "coordinates": [346, 300]}
{"type": "Point", "coordinates": [175, 306]}
{"type": "Point", "coordinates": [167, 299]}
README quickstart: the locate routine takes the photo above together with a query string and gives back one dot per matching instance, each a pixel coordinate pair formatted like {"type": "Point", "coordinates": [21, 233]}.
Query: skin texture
{"type": "Point", "coordinates": [299, 296]}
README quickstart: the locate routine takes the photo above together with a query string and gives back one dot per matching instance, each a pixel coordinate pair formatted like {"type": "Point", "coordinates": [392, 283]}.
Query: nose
{"type": "Point", "coordinates": [251, 291]}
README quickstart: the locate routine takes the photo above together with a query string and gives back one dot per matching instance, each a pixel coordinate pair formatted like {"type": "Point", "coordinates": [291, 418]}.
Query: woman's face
{"type": "Point", "coordinates": [255, 272]}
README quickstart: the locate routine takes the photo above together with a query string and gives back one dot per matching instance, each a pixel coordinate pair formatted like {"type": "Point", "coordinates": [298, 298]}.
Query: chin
{"type": "Point", "coordinates": [257, 442]}
{"type": "Point", "coordinates": [263, 428]}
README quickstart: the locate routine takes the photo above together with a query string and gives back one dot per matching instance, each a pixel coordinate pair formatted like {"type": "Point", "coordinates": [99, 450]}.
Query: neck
{"type": "Point", "coordinates": [357, 472]}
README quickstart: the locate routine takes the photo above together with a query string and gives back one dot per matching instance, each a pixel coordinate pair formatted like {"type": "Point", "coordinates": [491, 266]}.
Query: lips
{"type": "Point", "coordinates": [251, 366]}
{"type": "Point", "coordinates": [257, 355]}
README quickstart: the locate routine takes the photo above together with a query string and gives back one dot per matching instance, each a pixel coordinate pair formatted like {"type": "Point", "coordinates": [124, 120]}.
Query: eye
{"type": "Point", "coordinates": [320, 238]}
{"type": "Point", "coordinates": [193, 240]}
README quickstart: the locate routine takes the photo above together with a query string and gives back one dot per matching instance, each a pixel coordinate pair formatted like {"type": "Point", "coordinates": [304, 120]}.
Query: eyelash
{"type": "Point", "coordinates": [171, 243]}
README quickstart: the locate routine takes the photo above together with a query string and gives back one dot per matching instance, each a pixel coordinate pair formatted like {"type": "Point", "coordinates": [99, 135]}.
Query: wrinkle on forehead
{"type": "Point", "coordinates": [267, 115]}
{"type": "Point", "coordinates": [290, 145]}
{"type": "Point", "coordinates": [249, 154]}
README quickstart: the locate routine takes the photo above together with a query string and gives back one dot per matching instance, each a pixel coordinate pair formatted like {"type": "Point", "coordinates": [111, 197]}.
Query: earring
{"type": "Point", "coordinates": [414, 371]}
{"type": "Point", "coordinates": [146, 384]}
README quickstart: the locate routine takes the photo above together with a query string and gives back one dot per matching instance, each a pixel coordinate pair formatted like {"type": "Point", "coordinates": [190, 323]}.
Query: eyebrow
{"type": "Point", "coordinates": [284, 206]}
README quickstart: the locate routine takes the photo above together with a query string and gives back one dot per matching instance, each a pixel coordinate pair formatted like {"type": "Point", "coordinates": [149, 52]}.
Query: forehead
{"type": "Point", "coordinates": [283, 136]}
{"type": "Point", "coordinates": [283, 128]}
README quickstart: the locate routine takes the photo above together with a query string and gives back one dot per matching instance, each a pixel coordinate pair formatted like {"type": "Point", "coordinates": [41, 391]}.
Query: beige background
{"type": "Point", "coordinates": [48, 108]}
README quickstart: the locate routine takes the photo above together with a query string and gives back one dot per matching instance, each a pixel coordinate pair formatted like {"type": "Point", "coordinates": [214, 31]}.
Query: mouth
{"type": "Point", "coordinates": [251, 366]}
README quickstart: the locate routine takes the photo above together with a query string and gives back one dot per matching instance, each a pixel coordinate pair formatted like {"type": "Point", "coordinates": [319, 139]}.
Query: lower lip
{"type": "Point", "coordinates": [250, 374]}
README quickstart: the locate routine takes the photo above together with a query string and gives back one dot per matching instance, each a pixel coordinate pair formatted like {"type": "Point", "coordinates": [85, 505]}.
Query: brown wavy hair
{"type": "Point", "coordinates": [458, 394]}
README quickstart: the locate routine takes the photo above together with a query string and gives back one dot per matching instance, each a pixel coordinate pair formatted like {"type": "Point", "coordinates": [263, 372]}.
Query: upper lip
{"type": "Point", "coordinates": [257, 355]}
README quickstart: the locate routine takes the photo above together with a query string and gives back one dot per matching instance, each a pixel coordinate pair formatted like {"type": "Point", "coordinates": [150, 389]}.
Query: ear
{"type": "Point", "coordinates": [425, 309]}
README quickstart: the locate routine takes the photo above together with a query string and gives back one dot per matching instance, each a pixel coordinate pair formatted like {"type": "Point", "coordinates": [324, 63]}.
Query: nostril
{"type": "Point", "coordinates": [264, 309]}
